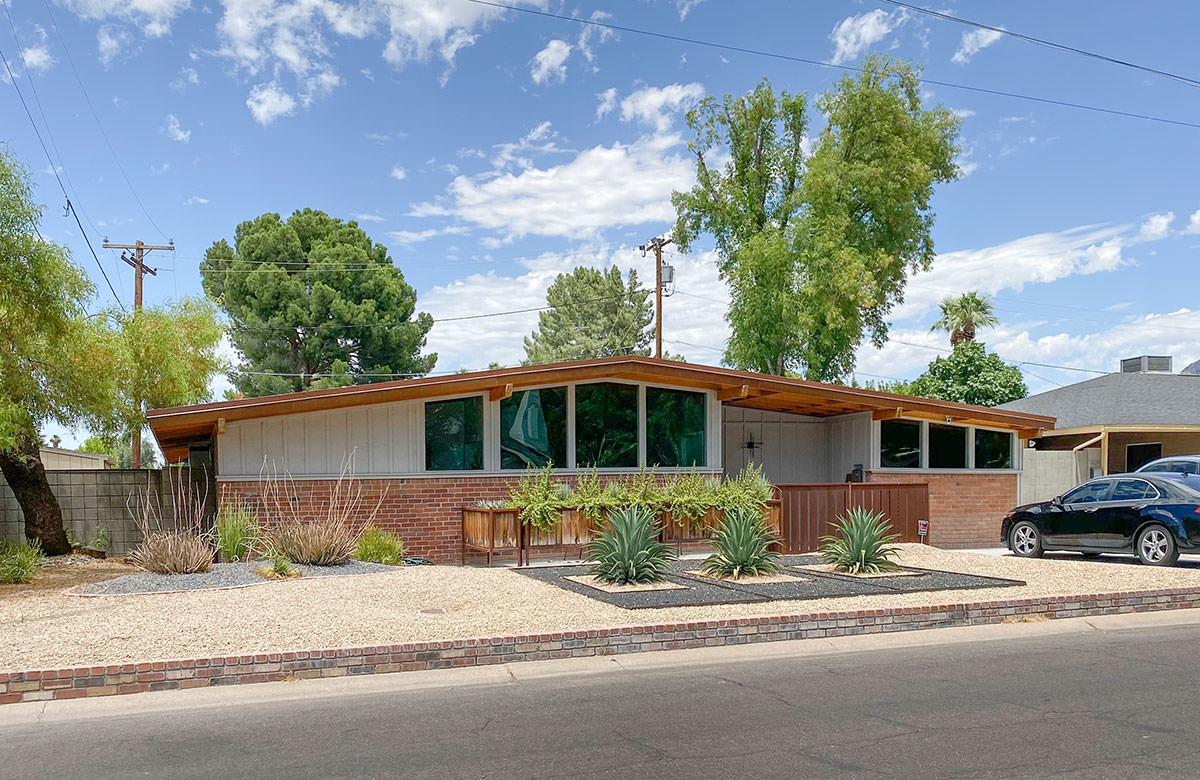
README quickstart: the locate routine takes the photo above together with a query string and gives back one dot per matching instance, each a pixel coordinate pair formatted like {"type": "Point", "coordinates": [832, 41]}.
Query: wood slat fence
{"type": "Point", "coordinates": [809, 510]}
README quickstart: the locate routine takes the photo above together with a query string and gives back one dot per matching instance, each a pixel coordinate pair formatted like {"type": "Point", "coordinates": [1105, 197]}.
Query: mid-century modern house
{"type": "Point", "coordinates": [1111, 424]}
{"type": "Point", "coordinates": [439, 444]}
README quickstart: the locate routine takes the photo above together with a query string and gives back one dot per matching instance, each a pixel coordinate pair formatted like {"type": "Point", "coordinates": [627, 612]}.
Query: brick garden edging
{"type": "Point", "coordinates": [108, 680]}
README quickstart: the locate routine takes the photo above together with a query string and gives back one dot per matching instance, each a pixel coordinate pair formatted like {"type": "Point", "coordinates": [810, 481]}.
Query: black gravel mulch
{"type": "Point", "coordinates": [700, 591]}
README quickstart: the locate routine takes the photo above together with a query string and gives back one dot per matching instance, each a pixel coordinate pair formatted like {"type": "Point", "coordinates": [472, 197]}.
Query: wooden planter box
{"type": "Point", "coordinates": [493, 531]}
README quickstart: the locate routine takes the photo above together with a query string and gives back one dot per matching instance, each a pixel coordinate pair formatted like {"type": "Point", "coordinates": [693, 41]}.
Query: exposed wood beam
{"type": "Point", "coordinates": [888, 414]}
{"type": "Point", "coordinates": [1030, 433]}
{"type": "Point", "coordinates": [501, 392]}
{"type": "Point", "coordinates": [733, 393]}
{"type": "Point", "coordinates": [220, 426]}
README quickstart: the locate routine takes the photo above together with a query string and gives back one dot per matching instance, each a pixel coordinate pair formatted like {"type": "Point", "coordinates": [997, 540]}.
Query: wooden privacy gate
{"type": "Point", "coordinates": [809, 510]}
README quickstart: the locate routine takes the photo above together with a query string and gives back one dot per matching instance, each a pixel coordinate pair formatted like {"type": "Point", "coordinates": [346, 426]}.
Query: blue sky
{"type": "Point", "coordinates": [491, 150]}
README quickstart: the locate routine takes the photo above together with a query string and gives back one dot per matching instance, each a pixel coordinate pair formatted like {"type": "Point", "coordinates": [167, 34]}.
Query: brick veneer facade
{"type": "Point", "coordinates": [965, 510]}
{"type": "Point", "coordinates": [109, 680]}
{"type": "Point", "coordinates": [425, 512]}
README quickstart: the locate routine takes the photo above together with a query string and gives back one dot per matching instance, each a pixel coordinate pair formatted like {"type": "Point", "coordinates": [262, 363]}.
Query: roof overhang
{"type": "Point", "coordinates": [1125, 428]}
{"type": "Point", "coordinates": [176, 427]}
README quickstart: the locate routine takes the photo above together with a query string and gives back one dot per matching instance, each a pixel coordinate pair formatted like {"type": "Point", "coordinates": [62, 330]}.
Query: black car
{"type": "Point", "coordinates": [1152, 515]}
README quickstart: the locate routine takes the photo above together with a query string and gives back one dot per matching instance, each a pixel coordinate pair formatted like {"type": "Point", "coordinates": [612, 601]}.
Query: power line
{"type": "Point", "coordinates": [847, 68]}
{"type": "Point", "coordinates": [1043, 42]}
{"type": "Point", "coordinates": [1017, 363]}
{"type": "Point", "coordinates": [87, 98]}
{"type": "Point", "coordinates": [54, 170]}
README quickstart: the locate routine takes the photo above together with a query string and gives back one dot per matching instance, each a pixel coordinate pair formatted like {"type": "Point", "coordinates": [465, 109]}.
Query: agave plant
{"type": "Point", "coordinates": [743, 543]}
{"type": "Point", "coordinates": [862, 544]}
{"type": "Point", "coordinates": [628, 551]}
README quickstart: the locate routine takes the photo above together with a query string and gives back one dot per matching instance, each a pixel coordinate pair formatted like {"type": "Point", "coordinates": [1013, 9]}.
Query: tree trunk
{"type": "Point", "coordinates": [25, 474]}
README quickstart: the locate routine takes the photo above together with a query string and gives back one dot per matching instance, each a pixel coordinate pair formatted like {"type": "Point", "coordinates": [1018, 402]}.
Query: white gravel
{"type": "Point", "coordinates": [42, 628]}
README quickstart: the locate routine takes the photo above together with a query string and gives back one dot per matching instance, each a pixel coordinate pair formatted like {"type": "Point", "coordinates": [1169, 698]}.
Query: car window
{"type": "Point", "coordinates": [1133, 490]}
{"type": "Point", "coordinates": [1091, 491]}
{"type": "Point", "coordinates": [1173, 467]}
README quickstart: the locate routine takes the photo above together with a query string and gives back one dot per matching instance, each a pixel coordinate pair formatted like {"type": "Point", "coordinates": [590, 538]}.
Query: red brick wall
{"type": "Point", "coordinates": [425, 513]}
{"type": "Point", "coordinates": [965, 510]}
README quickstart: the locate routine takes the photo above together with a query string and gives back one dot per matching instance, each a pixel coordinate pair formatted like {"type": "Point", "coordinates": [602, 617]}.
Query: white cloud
{"type": "Point", "coordinates": [593, 34]}
{"type": "Point", "coordinates": [685, 7]}
{"type": "Point", "coordinates": [175, 131]}
{"type": "Point", "coordinates": [1040, 258]}
{"type": "Point", "coordinates": [369, 218]}
{"type": "Point", "coordinates": [1193, 223]}
{"type": "Point", "coordinates": [855, 34]}
{"type": "Point", "coordinates": [154, 17]}
{"type": "Point", "coordinates": [973, 42]}
{"type": "Point", "coordinates": [607, 101]}
{"type": "Point", "coordinates": [398, 173]}
{"type": "Point", "coordinates": [187, 77]}
{"type": "Point", "coordinates": [268, 102]}
{"type": "Point", "coordinates": [158, 170]}
{"type": "Point", "coordinates": [37, 58]}
{"type": "Point", "coordinates": [601, 187]}
{"type": "Point", "coordinates": [548, 65]}
{"type": "Point", "coordinates": [417, 236]}
{"type": "Point", "coordinates": [195, 200]}
{"type": "Point", "coordinates": [1156, 226]}
{"type": "Point", "coordinates": [657, 106]}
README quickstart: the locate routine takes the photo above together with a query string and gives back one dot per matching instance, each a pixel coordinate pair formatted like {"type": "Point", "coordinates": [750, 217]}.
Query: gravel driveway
{"type": "Point", "coordinates": [42, 628]}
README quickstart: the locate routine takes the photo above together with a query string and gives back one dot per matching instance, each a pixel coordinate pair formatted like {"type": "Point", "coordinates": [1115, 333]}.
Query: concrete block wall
{"type": "Point", "coordinates": [91, 499]}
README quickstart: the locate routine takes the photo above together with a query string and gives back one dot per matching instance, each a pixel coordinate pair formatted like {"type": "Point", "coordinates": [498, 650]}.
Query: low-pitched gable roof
{"type": "Point", "coordinates": [175, 427]}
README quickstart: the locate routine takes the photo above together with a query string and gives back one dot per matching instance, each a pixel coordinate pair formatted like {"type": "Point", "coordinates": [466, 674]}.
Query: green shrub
{"type": "Point", "coordinates": [378, 546]}
{"type": "Point", "coordinates": [743, 546]}
{"type": "Point", "coordinates": [19, 562]}
{"type": "Point", "coordinates": [591, 496]}
{"type": "Point", "coordinates": [538, 496]}
{"type": "Point", "coordinates": [748, 489]}
{"type": "Point", "coordinates": [862, 544]}
{"type": "Point", "coordinates": [280, 568]}
{"type": "Point", "coordinates": [627, 550]}
{"type": "Point", "coordinates": [236, 532]}
{"type": "Point", "coordinates": [690, 496]}
{"type": "Point", "coordinates": [642, 491]}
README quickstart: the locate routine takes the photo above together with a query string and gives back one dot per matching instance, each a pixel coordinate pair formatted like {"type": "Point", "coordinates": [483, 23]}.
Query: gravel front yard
{"type": "Point", "coordinates": [40, 627]}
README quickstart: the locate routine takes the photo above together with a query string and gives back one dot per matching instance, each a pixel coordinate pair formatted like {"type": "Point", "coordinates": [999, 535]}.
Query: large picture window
{"type": "Point", "coordinates": [454, 434]}
{"type": "Point", "coordinates": [533, 428]}
{"type": "Point", "coordinates": [947, 447]}
{"type": "Point", "coordinates": [993, 449]}
{"type": "Point", "coordinates": [675, 423]}
{"type": "Point", "coordinates": [606, 425]}
{"type": "Point", "coordinates": [900, 444]}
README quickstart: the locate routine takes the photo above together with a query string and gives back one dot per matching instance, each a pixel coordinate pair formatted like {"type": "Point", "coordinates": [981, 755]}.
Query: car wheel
{"type": "Point", "coordinates": [1025, 540]}
{"type": "Point", "coordinates": [1156, 547]}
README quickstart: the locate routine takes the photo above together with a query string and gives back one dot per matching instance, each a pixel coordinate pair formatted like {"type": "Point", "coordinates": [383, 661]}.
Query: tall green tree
{"type": "Point", "coordinates": [963, 315]}
{"type": "Point", "coordinates": [168, 358]}
{"type": "Point", "coordinates": [55, 361]}
{"type": "Point", "coordinates": [815, 247]}
{"type": "Point", "coordinates": [121, 451]}
{"type": "Point", "coordinates": [970, 375]}
{"type": "Point", "coordinates": [595, 314]}
{"type": "Point", "coordinates": [314, 295]}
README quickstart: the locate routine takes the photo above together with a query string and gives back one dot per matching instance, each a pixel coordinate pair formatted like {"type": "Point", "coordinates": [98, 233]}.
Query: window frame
{"type": "Point", "coordinates": [486, 423]}
{"type": "Point", "coordinates": [876, 454]}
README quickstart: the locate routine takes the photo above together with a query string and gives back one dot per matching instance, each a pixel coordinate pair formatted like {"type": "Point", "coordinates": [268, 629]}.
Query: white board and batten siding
{"type": "Point", "coordinates": [384, 439]}
{"type": "Point", "coordinates": [793, 448]}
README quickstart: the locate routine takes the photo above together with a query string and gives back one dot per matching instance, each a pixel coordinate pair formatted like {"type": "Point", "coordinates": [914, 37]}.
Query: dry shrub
{"type": "Point", "coordinates": [303, 532]}
{"type": "Point", "coordinates": [174, 542]}
{"type": "Point", "coordinates": [163, 552]}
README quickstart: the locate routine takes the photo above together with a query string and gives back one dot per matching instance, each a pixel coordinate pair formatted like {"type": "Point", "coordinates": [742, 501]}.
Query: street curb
{"type": "Point", "coordinates": [118, 679]}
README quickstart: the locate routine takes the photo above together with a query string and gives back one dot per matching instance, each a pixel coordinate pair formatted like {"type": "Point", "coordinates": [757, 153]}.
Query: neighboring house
{"type": "Point", "coordinates": [58, 459]}
{"type": "Point", "coordinates": [1111, 424]}
{"type": "Point", "coordinates": [437, 444]}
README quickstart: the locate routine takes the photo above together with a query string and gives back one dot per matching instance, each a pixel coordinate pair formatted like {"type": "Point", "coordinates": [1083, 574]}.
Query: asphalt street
{"type": "Point", "coordinates": [1084, 704]}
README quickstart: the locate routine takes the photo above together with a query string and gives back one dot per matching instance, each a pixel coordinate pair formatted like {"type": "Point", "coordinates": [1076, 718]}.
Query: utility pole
{"type": "Point", "coordinates": [657, 245]}
{"type": "Point", "coordinates": [139, 268]}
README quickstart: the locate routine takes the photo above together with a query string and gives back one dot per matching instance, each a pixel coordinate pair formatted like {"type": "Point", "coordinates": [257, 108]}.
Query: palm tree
{"type": "Point", "coordinates": [963, 315]}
